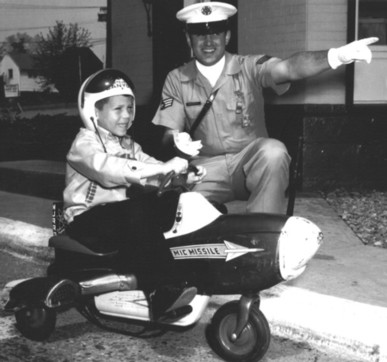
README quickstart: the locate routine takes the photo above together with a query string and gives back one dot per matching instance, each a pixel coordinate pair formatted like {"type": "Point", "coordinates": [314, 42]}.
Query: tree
{"type": "Point", "coordinates": [51, 50]}
{"type": "Point", "coordinates": [19, 42]}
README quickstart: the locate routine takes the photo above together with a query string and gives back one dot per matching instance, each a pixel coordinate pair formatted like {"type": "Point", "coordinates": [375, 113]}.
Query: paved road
{"type": "Point", "coordinates": [75, 339]}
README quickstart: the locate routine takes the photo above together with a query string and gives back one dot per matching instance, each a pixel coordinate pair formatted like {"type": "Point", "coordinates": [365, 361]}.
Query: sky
{"type": "Point", "coordinates": [37, 16]}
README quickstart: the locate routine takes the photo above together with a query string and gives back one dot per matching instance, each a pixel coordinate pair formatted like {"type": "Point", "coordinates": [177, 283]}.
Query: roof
{"type": "Point", "coordinates": [85, 53]}
{"type": "Point", "coordinates": [23, 60]}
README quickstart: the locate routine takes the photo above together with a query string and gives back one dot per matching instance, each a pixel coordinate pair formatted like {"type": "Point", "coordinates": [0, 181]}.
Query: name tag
{"type": "Point", "coordinates": [190, 104]}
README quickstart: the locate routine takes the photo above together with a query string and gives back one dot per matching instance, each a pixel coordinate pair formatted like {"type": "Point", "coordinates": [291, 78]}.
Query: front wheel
{"type": "Point", "coordinates": [36, 322]}
{"type": "Point", "coordinates": [253, 342]}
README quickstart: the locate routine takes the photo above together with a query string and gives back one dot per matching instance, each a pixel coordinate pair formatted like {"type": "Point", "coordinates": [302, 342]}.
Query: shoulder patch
{"type": "Point", "coordinates": [263, 59]}
{"type": "Point", "coordinates": [166, 102]}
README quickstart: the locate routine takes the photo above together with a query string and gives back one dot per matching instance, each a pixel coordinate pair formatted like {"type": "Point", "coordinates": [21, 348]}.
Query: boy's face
{"type": "Point", "coordinates": [116, 115]}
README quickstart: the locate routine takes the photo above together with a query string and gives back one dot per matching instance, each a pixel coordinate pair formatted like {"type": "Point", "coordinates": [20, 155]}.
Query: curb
{"type": "Point", "coordinates": [26, 239]}
{"type": "Point", "coordinates": [346, 327]}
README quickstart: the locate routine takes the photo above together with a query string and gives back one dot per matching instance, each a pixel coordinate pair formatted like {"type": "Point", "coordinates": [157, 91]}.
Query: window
{"type": "Point", "coordinates": [373, 20]}
{"type": "Point", "coordinates": [10, 74]}
{"type": "Point", "coordinates": [370, 81]}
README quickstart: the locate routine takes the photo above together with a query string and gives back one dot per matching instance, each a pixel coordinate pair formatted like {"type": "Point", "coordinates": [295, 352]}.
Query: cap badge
{"type": "Point", "coordinates": [206, 10]}
{"type": "Point", "coordinates": [119, 83]}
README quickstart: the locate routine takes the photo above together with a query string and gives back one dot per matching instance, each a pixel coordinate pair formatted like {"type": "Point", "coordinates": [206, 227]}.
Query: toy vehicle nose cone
{"type": "Point", "coordinates": [298, 243]}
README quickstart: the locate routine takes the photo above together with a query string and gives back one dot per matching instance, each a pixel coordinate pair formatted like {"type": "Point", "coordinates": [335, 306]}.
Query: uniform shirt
{"type": "Point", "coordinates": [238, 100]}
{"type": "Point", "coordinates": [94, 176]}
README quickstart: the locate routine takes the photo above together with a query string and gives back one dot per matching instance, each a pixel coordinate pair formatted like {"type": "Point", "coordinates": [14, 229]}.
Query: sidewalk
{"type": "Point", "coordinates": [340, 301]}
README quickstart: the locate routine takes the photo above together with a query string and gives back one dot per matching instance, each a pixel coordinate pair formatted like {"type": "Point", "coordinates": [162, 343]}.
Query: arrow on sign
{"type": "Point", "coordinates": [234, 250]}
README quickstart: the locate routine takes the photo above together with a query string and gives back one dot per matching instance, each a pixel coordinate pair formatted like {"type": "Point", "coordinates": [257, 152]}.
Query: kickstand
{"type": "Point", "coordinates": [293, 177]}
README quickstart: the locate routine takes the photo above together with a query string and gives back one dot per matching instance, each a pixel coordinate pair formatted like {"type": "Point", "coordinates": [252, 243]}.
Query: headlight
{"type": "Point", "coordinates": [299, 241]}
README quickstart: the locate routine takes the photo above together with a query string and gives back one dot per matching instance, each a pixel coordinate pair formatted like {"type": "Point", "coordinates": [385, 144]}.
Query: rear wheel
{"type": "Point", "coordinates": [253, 342]}
{"type": "Point", "coordinates": [36, 322]}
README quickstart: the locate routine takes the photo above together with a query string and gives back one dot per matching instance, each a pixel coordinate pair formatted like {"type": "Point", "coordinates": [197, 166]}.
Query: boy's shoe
{"type": "Point", "coordinates": [171, 302]}
{"type": "Point", "coordinates": [175, 314]}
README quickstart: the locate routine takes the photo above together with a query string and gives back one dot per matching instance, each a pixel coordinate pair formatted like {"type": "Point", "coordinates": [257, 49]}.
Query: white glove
{"type": "Point", "coordinates": [184, 143]}
{"type": "Point", "coordinates": [357, 51]}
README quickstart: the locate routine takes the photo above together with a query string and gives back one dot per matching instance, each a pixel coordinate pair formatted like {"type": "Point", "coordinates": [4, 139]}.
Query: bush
{"type": "Point", "coordinates": [41, 137]}
{"type": "Point", "coordinates": [49, 137]}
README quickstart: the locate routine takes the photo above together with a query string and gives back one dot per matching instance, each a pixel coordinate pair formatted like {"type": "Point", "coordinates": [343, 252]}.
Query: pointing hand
{"type": "Point", "coordinates": [356, 51]}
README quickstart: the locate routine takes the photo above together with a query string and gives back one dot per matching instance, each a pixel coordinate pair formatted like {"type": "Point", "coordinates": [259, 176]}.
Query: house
{"type": "Point", "coordinates": [19, 74]}
{"type": "Point", "coordinates": [340, 117]}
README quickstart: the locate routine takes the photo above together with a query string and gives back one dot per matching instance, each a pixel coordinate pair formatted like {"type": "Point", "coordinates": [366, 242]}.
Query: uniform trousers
{"type": "Point", "coordinates": [259, 174]}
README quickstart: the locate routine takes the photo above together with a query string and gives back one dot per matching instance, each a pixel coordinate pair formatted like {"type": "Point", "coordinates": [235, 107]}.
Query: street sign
{"type": "Point", "coordinates": [11, 90]}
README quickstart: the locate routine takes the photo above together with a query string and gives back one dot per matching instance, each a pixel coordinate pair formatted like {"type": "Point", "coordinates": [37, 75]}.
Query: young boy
{"type": "Point", "coordinates": [102, 164]}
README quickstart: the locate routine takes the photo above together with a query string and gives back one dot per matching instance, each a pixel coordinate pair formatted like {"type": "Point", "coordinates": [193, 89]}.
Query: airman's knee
{"type": "Point", "coordinates": [274, 152]}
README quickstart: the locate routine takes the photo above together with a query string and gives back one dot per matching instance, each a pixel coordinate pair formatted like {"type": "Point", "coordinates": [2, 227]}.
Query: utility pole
{"type": "Point", "coordinates": [104, 16]}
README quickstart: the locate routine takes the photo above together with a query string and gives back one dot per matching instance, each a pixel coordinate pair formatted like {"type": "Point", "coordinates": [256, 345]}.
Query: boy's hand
{"type": "Point", "coordinates": [196, 177]}
{"type": "Point", "coordinates": [356, 51]}
{"type": "Point", "coordinates": [177, 165]}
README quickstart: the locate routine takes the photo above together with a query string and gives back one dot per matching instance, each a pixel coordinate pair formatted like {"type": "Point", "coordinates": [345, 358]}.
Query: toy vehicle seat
{"type": "Point", "coordinates": [64, 242]}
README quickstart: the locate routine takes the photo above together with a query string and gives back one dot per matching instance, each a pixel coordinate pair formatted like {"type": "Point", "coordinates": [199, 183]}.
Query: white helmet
{"type": "Point", "coordinates": [102, 84]}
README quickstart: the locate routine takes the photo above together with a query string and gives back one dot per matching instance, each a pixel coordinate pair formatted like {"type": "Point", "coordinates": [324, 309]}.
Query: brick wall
{"type": "Point", "coordinates": [341, 147]}
{"type": "Point", "coordinates": [345, 147]}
